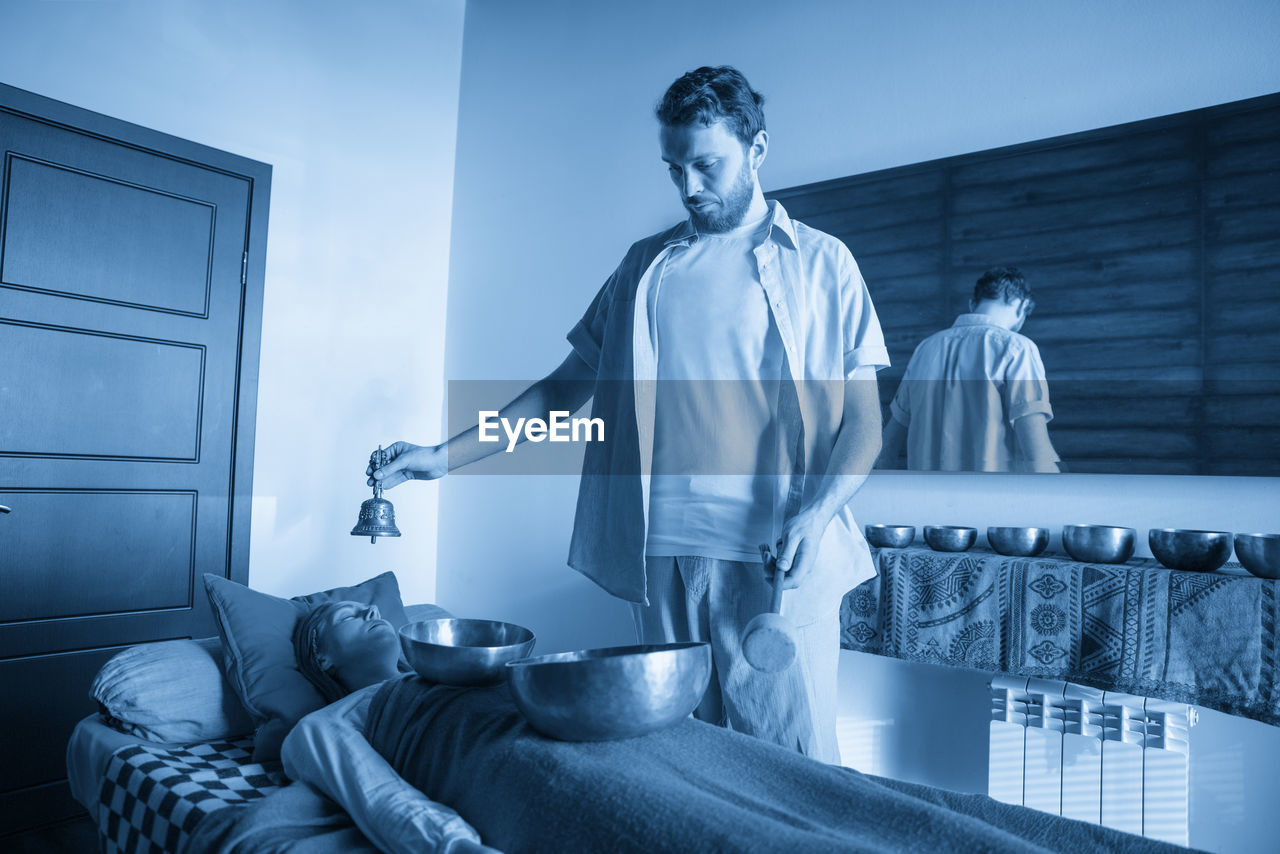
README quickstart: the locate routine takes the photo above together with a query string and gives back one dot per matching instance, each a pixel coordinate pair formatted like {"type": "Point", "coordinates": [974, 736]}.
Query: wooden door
{"type": "Point", "coordinates": [130, 315]}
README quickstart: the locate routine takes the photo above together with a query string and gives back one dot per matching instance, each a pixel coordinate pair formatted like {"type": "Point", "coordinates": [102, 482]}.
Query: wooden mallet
{"type": "Point", "coordinates": [769, 641]}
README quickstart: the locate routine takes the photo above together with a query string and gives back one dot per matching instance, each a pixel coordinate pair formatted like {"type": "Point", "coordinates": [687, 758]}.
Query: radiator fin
{"type": "Point", "coordinates": [1103, 756]}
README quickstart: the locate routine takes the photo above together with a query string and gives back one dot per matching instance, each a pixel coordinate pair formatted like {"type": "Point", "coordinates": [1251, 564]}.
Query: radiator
{"type": "Point", "coordinates": [1113, 759]}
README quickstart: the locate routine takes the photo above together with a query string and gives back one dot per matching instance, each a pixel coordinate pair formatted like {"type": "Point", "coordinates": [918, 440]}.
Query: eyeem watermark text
{"type": "Point", "coordinates": [559, 427]}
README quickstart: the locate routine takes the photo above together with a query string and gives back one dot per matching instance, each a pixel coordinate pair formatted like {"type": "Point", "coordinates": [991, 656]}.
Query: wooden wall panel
{"type": "Point", "coordinates": [1138, 176]}
{"type": "Point", "coordinates": [1153, 251]}
{"type": "Point", "coordinates": [1078, 153]}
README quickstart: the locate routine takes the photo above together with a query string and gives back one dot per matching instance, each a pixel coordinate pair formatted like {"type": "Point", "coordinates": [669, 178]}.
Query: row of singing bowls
{"type": "Point", "coordinates": [1197, 551]}
{"type": "Point", "coordinates": [618, 692]}
{"type": "Point", "coordinates": [1020, 541]}
{"type": "Point", "coordinates": [1176, 548]}
{"type": "Point", "coordinates": [455, 651]}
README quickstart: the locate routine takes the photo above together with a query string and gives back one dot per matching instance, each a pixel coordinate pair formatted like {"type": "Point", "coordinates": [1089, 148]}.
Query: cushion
{"type": "Point", "coordinates": [257, 642]}
{"type": "Point", "coordinates": [172, 691]}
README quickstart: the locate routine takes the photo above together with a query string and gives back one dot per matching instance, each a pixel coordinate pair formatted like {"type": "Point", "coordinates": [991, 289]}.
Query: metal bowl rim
{"type": "Point", "coordinates": [892, 527]}
{"type": "Point", "coordinates": [950, 528]}
{"type": "Point", "coordinates": [1079, 527]}
{"type": "Point", "coordinates": [1259, 536]}
{"type": "Point", "coordinates": [427, 643]}
{"type": "Point", "coordinates": [1187, 531]}
{"type": "Point", "coordinates": [1027, 528]}
{"type": "Point", "coordinates": [605, 653]}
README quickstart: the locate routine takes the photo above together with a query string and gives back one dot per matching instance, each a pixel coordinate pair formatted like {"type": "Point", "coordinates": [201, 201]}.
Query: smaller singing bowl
{"type": "Point", "coordinates": [616, 692]}
{"type": "Point", "coordinates": [1260, 554]}
{"type": "Point", "coordinates": [890, 536]}
{"type": "Point", "coordinates": [1192, 551]}
{"type": "Point", "coordinates": [1098, 543]}
{"type": "Point", "coordinates": [1019, 542]}
{"type": "Point", "coordinates": [949, 538]}
{"type": "Point", "coordinates": [464, 652]}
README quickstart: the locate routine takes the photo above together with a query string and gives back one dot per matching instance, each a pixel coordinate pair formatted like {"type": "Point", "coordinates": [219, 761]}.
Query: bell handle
{"type": "Point", "coordinates": [378, 459]}
{"type": "Point", "coordinates": [768, 559]}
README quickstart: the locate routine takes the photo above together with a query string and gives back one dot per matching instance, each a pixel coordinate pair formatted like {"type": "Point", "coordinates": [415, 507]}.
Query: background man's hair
{"type": "Point", "coordinates": [1002, 283]}
{"type": "Point", "coordinates": [707, 95]}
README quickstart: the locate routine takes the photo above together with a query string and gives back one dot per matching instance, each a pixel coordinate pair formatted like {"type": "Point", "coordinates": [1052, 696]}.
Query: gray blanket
{"type": "Point", "coordinates": [296, 819]}
{"type": "Point", "coordinates": [692, 787]}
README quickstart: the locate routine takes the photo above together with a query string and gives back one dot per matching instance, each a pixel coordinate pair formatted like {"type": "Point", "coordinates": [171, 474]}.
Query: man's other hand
{"type": "Point", "coordinates": [798, 546]}
{"type": "Point", "coordinates": [409, 462]}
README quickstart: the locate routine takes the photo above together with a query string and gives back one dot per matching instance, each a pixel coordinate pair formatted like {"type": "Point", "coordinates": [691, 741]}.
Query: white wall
{"type": "Point", "coordinates": [558, 172]}
{"type": "Point", "coordinates": [355, 107]}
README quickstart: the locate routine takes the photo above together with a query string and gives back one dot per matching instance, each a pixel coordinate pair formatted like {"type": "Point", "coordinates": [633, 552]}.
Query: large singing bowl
{"type": "Point", "coordinates": [1191, 551]}
{"type": "Point", "coordinates": [1098, 543]}
{"type": "Point", "coordinates": [616, 692]}
{"type": "Point", "coordinates": [890, 536]}
{"type": "Point", "coordinates": [464, 652]}
{"type": "Point", "coordinates": [949, 538]}
{"type": "Point", "coordinates": [1260, 554]}
{"type": "Point", "coordinates": [1018, 541]}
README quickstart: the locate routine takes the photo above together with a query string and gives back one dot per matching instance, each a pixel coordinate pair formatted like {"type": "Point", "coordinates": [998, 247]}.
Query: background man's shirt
{"type": "Point", "coordinates": [964, 388]}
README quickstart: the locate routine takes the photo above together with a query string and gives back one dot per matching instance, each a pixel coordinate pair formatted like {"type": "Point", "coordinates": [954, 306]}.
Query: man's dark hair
{"type": "Point", "coordinates": [707, 95]}
{"type": "Point", "coordinates": [1005, 284]}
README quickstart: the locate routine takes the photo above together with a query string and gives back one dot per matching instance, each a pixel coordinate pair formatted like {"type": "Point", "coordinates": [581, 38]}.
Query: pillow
{"type": "Point", "coordinates": [257, 645]}
{"type": "Point", "coordinates": [170, 691]}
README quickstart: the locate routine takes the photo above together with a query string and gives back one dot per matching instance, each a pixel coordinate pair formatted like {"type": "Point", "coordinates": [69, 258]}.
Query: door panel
{"type": "Point", "coordinates": [93, 237]}
{"type": "Point", "coordinates": [51, 705]}
{"type": "Point", "coordinates": [114, 552]}
{"type": "Point", "coordinates": [128, 359]}
{"type": "Point", "coordinates": [88, 394]}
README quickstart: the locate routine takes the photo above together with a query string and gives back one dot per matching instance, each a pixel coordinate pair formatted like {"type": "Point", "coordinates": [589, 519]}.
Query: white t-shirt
{"type": "Point", "coordinates": [719, 364]}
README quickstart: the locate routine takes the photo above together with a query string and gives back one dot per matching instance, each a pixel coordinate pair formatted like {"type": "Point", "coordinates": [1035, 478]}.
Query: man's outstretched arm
{"type": "Point", "coordinates": [565, 389]}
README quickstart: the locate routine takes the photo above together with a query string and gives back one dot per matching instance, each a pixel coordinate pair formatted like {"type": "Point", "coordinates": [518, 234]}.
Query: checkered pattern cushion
{"type": "Point", "coordinates": [151, 798]}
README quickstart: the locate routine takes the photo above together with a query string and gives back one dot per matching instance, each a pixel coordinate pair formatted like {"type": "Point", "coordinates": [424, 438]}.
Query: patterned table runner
{"type": "Point", "coordinates": [1204, 638]}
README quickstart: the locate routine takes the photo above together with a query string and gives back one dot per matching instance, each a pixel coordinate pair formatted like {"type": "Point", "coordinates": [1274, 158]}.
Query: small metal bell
{"type": "Point", "coordinates": [377, 515]}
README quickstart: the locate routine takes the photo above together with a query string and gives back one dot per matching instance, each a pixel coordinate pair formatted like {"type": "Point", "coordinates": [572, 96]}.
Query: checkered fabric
{"type": "Point", "coordinates": [151, 798]}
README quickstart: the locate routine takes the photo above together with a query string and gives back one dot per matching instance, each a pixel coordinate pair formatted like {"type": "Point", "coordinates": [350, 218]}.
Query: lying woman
{"type": "Point", "coordinates": [393, 750]}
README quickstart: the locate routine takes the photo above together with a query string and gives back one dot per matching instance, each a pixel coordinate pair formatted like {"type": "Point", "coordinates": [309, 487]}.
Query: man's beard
{"type": "Point", "coordinates": [732, 208]}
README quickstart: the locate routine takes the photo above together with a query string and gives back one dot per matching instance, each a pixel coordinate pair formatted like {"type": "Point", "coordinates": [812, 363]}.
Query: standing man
{"type": "Point", "coordinates": [975, 397]}
{"type": "Point", "coordinates": [732, 359]}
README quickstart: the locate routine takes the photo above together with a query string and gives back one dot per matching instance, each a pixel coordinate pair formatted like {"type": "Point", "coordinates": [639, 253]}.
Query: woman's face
{"type": "Point", "coordinates": [359, 645]}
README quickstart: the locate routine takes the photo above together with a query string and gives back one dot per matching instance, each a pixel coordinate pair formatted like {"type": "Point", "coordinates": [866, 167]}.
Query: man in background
{"type": "Point", "coordinates": [975, 397]}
